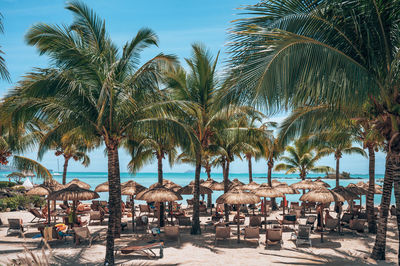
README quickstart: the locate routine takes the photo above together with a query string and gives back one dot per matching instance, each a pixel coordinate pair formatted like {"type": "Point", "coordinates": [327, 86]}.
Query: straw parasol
{"type": "Point", "coordinates": [285, 189]}
{"type": "Point", "coordinates": [304, 184]}
{"type": "Point", "coordinates": [217, 186]}
{"type": "Point", "coordinates": [42, 190]}
{"type": "Point", "coordinates": [74, 192]}
{"type": "Point", "coordinates": [322, 195]}
{"type": "Point", "coordinates": [189, 190]}
{"type": "Point", "coordinates": [78, 182]}
{"type": "Point", "coordinates": [158, 194]}
{"type": "Point", "coordinates": [267, 192]}
{"type": "Point", "coordinates": [168, 184]}
{"type": "Point", "coordinates": [208, 183]}
{"type": "Point", "coordinates": [53, 184]}
{"type": "Point", "coordinates": [103, 187]}
{"type": "Point", "coordinates": [238, 197]}
{"type": "Point", "coordinates": [237, 182]}
{"type": "Point", "coordinates": [131, 188]}
{"type": "Point", "coordinates": [250, 186]}
{"type": "Point", "coordinates": [345, 193]}
{"type": "Point", "coordinates": [275, 182]}
{"type": "Point", "coordinates": [366, 186]}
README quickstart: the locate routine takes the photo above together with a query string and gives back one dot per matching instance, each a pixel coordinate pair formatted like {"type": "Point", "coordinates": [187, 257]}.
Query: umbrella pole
{"type": "Point", "coordinates": [133, 213]}
{"type": "Point", "coordinates": [170, 210]}
{"type": "Point", "coordinates": [55, 217]}
{"type": "Point", "coordinates": [48, 210]}
{"type": "Point", "coordinates": [238, 223]}
{"type": "Point", "coordinates": [265, 216]}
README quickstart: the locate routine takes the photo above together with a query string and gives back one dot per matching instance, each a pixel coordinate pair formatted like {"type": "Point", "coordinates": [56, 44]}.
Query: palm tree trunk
{"type": "Point", "coordinates": [371, 190]}
{"type": "Point", "coordinates": [250, 169]}
{"type": "Point", "coordinates": [337, 171]}
{"type": "Point", "coordinates": [196, 230]}
{"type": "Point", "coordinates": [160, 181]}
{"type": "Point", "coordinates": [64, 177]}
{"type": "Point", "coordinates": [270, 166]}
{"type": "Point", "coordinates": [114, 201]}
{"type": "Point", "coordinates": [226, 188]}
{"type": "Point", "coordinates": [378, 252]}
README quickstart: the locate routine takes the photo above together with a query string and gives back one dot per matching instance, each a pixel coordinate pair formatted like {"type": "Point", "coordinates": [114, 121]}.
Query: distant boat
{"type": "Point", "coordinates": [57, 174]}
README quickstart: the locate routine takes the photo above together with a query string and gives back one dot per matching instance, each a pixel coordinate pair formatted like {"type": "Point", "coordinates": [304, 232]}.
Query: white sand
{"type": "Point", "coordinates": [346, 249]}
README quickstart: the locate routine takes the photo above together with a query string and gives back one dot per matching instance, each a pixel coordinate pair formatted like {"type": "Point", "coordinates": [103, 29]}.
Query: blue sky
{"type": "Point", "coordinates": [178, 24]}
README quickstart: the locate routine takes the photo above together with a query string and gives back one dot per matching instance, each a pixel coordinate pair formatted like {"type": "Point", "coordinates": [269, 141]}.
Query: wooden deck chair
{"type": "Point", "coordinates": [144, 209]}
{"type": "Point", "coordinates": [332, 224]}
{"type": "Point", "coordinates": [255, 221]}
{"type": "Point", "coordinates": [252, 233]}
{"type": "Point", "coordinates": [83, 233]}
{"type": "Point", "coordinates": [222, 233]}
{"type": "Point", "coordinates": [273, 237]}
{"type": "Point", "coordinates": [239, 220]}
{"type": "Point", "coordinates": [37, 215]}
{"type": "Point", "coordinates": [15, 226]}
{"type": "Point", "coordinates": [172, 232]}
{"type": "Point", "coordinates": [357, 225]}
{"type": "Point", "coordinates": [303, 235]}
{"type": "Point", "coordinates": [146, 250]}
{"type": "Point", "coordinates": [184, 221]}
{"type": "Point", "coordinates": [311, 221]}
{"type": "Point", "coordinates": [96, 216]}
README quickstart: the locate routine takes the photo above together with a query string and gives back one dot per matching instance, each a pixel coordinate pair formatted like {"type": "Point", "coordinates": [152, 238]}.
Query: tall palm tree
{"type": "Point", "coordinates": [316, 53]}
{"type": "Point", "coordinates": [302, 158]}
{"type": "Point", "coordinates": [3, 69]}
{"type": "Point", "coordinates": [338, 143]}
{"type": "Point", "coordinates": [146, 148]}
{"type": "Point", "coordinates": [93, 87]}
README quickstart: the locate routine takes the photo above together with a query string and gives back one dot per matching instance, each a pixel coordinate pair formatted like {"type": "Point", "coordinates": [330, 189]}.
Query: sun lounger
{"type": "Point", "coordinates": [252, 233]}
{"type": "Point", "coordinates": [15, 226]}
{"type": "Point", "coordinates": [302, 235]}
{"type": "Point", "coordinates": [83, 233]}
{"type": "Point", "coordinates": [311, 221]}
{"type": "Point", "coordinates": [240, 220]}
{"type": "Point", "coordinates": [172, 232]}
{"type": "Point", "coordinates": [288, 220]}
{"type": "Point", "coordinates": [95, 216]}
{"type": "Point", "coordinates": [146, 250]}
{"type": "Point", "coordinates": [255, 221]}
{"type": "Point", "coordinates": [222, 233]}
{"type": "Point", "coordinates": [332, 224]}
{"type": "Point", "coordinates": [273, 237]}
{"type": "Point", "coordinates": [357, 225]}
{"type": "Point", "coordinates": [37, 215]}
{"type": "Point", "coordinates": [346, 218]}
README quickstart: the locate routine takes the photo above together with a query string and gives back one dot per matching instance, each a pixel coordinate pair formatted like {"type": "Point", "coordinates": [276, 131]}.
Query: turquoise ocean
{"type": "Point", "coordinates": [147, 179]}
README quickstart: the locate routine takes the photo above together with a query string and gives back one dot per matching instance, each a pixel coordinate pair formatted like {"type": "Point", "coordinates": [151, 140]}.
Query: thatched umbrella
{"type": "Point", "coordinates": [42, 190]}
{"type": "Point", "coordinates": [78, 182]}
{"type": "Point", "coordinates": [217, 186]}
{"type": "Point", "coordinates": [158, 194]}
{"type": "Point", "coordinates": [275, 182]}
{"type": "Point", "coordinates": [168, 184]}
{"type": "Point", "coordinates": [267, 192]}
{"type": "Point", "coordinates": [359, 190]}
{"type": "Point", "coordinates": [237, 182]}
{"type": "Point", "coordinates": [103, 187]}
{"type": "Point", "coordinates": [250, 186]}
{"type": "Point", "coordinates": [189, 190]}
{"type": "Point", "coordinates": [238, 197]}
{"type": "Point", "coordinates": [285, 189]}
{"type": "Point", "coordinates": [73, 192]}
{"type": "Point", "coordinates": [16, 175]}
{"type": "Point", "coordinates": [345, 193]}
{"type": "Point", "coordinates": [321, 183]}
{"type": "Point", "coordinates": [132, 188]}
{"type": "Point", "coordinates": [209, 183]}
{"type": "Point", "coordinates": [304, 184]}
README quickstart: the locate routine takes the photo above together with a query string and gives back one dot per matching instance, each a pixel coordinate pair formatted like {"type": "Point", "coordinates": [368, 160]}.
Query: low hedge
{"type": "Point", "coordinates": [5, 184]}
{"type": "Point", "coordinates": [19, 202]}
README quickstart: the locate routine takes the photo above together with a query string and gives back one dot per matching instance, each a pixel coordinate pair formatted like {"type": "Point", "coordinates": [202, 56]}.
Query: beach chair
{"type": "Point", "coordinates": [144, 209]}
{"type": "Point", "coordinates": [222, 233]}
{"type": "Point", "coordinates": [15, 226]}
{"type": "Point", "coordinates": [203, 209]}
{"type": "Point", "coordinates": [49, 234]}
{"type": "Point", "coordinates": [357, 225]}
{"type": "Point", "coordinates": [273, 237]}
{"type": "Point", "coordinates": [288, 220]}
{"type": "Point", "coordinates": [96, 216]}
{"type": "Point", "coordinates": [142, 223]}
{"type": "Point", "coordinates": [252, 233]}
{"type": "Point", "coordinates": [239, 220]}
{"type": "Point", "coordinates": [332, 224]}
{"type": "Point", "coordinates": [184, 221]}
{"type": "Point", "coordinates": [311, 221]}
{"type": "Point", "coordinates": [302, 235]}
{"type": "Point", "coordinates": [346, 218]}
{"type": "Point", "coordinates": [37, 215]}
{"type": "Point", "coordinates": [83, 233]}
{"type": "Point", "coordinates": [255, 221]}
{"type": "Point", "coordinates": [146, 250]}
{"type": "Point", "coordinates": [172, 232]}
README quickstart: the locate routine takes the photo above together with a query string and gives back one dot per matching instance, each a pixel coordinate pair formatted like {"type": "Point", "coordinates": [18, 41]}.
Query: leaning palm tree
{"type": "Point", "coordinates": [338, 143]}
{"type": "Point", "coordinates": [93, 87]}
{"type": "Point", "coordinates": [3, 69]}
{"type": "Point", "coordinates": [302, 158]}
{"type": "Point", "coordinates": [290, 54]}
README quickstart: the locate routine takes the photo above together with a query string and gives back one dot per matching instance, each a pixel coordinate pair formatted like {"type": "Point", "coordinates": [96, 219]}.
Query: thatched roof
{"type": "Point", "coordinates": [237, 182]}
{"type": "Point", "coordinates": [250, 186]}
{"type": "Point", "coordinates": [39, 190]}
{"type": "Point", "coordinates": [218, 186]}
{"type": "Point", "coordinates": [238, 197]}
{"type": "Point", "coordinates": [208, 183]}
{"type": "Point", "coordinates": [189, 190]}
{"type": "Point", "coordinates": [103, 187]}
{"type": "Point", "coordinates": [73, 192]}
{"type": "Point", "coordinates": [16, 174]}
{"type": "Point", "coordinates": [322, 195]}
{"type": "Point", "coordinates": [275, 182]}
{"type": "Point", "coordinates": [321, 183]}
{"type": "Point", "coordinates": [346, 193]}
{"type": "Point", "coordinates": [285, 189]}
{"type": "Point", "coordinates": [53, 184]}
{"type": "Point", "coordinates": [78, 182]}
{"type": "Point", "coordinates": [158, 194]}
{"type": "Point", "coordinates": [268, 192]}
{"type": "Point", "coordinates": [168, 184]}
{"type": "Point", "coordinates": [304, 184]}
{"type": "Point", "coordinates": [378, 188]}
{"type": "Point", "coordinates": [357, 189]}
{"type": "Point", "coordinates": [131, 188]}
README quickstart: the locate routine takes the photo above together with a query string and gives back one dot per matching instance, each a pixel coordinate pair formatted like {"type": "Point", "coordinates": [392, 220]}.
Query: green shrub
{"type": "Point", "coordinates": [21, 201]}
{"type": "Point", "coordinates": [4, 184]}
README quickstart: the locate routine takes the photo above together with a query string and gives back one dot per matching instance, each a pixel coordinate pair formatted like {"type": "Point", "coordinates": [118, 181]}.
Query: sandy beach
{"type": "Point", "coordinates": [346, 249]}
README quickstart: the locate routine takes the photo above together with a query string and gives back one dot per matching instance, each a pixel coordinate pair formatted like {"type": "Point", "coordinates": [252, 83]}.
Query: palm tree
{"type": "Point", "coordinates": [94, 88]}
{"type": "Point", "coordinates": [316, 53]}
{"type": "Point", "coordinates": [337, 143]}
{"type": "Point", "coordinates": [302, 158]}
{"type": "Point", "coordinates": [144, 149]}
{"type": "Point", "coordinates": [3, 69]}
